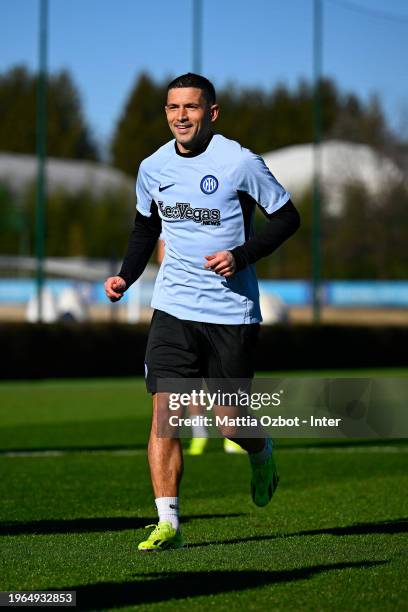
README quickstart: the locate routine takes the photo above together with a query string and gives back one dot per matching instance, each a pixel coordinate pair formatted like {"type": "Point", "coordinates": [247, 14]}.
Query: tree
{"type": "Point", "coordinates": [10, 222]}
{"type": "Point", "coordinates": [67, 133]}
{"type": "Point", "coordinates": [142, 127]}
{"type": "Point", "coordinates": [357, 122]}
{"type": "Point", "coordinates": [351, 239]}
{"type": "Point", "coordinates": [78, 224]}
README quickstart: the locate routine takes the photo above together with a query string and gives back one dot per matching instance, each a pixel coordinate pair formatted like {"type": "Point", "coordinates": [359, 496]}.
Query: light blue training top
{"type": "Point", "coordinates": [200, 202]}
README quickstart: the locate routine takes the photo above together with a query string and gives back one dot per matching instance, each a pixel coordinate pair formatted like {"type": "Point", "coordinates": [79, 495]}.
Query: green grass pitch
{"type": "Point", "coordinates": [75, 496]}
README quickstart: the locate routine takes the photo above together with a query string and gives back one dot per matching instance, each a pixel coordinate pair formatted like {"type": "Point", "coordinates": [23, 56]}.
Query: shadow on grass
{"type": "Point", "coordinates": [281, 443]}
{"type": "Point", "coordinates": [89, 525]}
{"type": "Point", "coordinates": [293, 444]}
{"type": "Point", "coordinates": [395, 526]}
{"type": "Point", "coordinates": [41, 450]}
{"type": "Point", "coordinates": [159, 586]}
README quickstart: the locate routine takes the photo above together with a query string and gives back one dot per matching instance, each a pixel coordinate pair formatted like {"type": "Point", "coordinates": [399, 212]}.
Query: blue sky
{"type": "Point", "coordinates": [107, 43]}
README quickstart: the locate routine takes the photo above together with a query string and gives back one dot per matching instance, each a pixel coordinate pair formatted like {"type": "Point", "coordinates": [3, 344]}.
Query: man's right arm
{"type": "Point", "coordinates": [142, 240]}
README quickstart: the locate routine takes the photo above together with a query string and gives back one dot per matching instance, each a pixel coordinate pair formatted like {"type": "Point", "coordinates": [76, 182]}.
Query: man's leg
{"type": "Point", "coordinates": [166, 469]}
{"type": "Point", "coordinates": [231, 356]}
{"type": "Point", "coordinates": [165, 454]}
{"type": "Point", "coordinates": [171, 353]}
{"type": "Point", "coordinates": [265, 479]}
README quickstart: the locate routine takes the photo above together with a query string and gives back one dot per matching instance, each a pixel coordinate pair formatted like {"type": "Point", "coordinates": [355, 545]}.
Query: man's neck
{"type": "Point", "coordinates": [196, 150]}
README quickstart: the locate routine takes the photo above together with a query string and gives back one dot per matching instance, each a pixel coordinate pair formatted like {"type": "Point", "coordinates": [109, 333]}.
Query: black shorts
{"type": "Point", "coordinates": [191, 349]}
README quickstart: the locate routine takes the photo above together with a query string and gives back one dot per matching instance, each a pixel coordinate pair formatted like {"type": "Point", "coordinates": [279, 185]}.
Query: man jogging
{"type": "Point", "coordinates": [200, 190]}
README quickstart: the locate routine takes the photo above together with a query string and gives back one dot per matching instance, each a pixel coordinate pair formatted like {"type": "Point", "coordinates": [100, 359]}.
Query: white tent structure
{"type": "Point", "coordinates": [49, 307]}
{"type": "Point", "coordinates": [342, 163]}
{"type": "Point", "coordinates": [18, 170]}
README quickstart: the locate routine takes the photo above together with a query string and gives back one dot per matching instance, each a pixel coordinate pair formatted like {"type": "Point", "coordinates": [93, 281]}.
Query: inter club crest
{"type": "Point", "coordinates": [209, 184]}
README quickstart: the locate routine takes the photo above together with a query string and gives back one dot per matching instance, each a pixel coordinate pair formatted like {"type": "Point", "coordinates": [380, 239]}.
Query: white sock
{"type": "Point", "coordinates": [263, 455]}
{"type": "Point", "coordinates": [199, 431]}
{"type": "Point", "coordinates": [168, 510]}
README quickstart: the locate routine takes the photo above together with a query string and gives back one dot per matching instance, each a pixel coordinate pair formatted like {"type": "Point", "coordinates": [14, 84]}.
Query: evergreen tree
{"type": "Point", "coordinates": [67, 133]}
{"type": "Point", "coordinates": [142, 127]}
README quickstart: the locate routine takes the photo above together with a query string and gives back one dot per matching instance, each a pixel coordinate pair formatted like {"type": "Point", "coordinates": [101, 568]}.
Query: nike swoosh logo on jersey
{"type": "Point", "coordinates": [166, 186]}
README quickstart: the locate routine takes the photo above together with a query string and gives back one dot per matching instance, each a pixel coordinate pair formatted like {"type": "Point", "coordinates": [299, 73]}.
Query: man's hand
{"type": "Point", "coordinates": [115, 287]}
{"type": "Point", "coordinates": [222, 263]}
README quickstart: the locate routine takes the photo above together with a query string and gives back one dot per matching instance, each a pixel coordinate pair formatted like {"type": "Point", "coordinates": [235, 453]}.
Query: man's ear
{"type": "Point", "coordinates": [214, 112]}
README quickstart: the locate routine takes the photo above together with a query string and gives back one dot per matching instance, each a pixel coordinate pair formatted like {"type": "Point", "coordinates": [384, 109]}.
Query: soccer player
{"type": "Point", "coordinates": [200, 190]}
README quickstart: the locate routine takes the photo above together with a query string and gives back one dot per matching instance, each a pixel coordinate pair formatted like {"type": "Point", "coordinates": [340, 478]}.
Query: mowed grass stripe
{"type": "Point", "coordinates": [139, 451]}
{"type": "Point", "coordinates": [333, 538]}
{"type": "Point", "coordinates": [332, 534]}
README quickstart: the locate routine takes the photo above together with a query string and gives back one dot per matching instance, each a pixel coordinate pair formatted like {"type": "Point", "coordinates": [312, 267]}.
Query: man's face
{"type": "Point", "coordinates": [190, 117]}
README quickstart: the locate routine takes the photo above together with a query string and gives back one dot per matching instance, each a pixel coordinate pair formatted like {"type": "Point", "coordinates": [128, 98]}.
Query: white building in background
{"type": "Point", "coordinates": [342, 163]}
{"type": "Point", "coordinates": [18, 170]}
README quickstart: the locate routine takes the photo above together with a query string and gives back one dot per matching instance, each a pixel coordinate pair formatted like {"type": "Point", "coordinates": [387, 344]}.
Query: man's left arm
{"type": "Point", "coordinates": [251, 175]}
{"type": "Point", "coordinates": [281, 225]}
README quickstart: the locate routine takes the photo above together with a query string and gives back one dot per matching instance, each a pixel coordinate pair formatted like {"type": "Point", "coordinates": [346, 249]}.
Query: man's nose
{"type": "Point", "coordinates": [182, 114]}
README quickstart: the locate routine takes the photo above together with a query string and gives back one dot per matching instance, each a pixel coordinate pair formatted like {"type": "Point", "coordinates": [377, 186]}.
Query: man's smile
{"type": "Point", "coordinates": [183, 127]}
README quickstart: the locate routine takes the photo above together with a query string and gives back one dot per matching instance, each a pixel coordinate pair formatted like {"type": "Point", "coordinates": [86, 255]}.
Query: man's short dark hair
{"type": "Point", "coordinates": [195, 80]}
